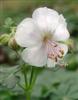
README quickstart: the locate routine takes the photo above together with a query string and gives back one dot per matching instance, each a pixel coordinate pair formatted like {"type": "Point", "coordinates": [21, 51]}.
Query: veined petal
{"type": "Point", "coordinates": [46, 19]}
{"type": "Point", "coordinates": [51, 63]}
{"type": "Point", "coordinates": [35, 56]}
{"type": "Point", "coordinates": [61, 33]}
{"type": "Point", "coordinates": [27, 33]}
{"type": "Point", "coordinates": [64, 47]}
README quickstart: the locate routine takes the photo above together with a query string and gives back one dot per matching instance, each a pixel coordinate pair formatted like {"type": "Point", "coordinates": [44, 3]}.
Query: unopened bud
{"type": "Point", "coordinates": [12, 43]}
{"type": "Point", "coordinates": [4, 39]}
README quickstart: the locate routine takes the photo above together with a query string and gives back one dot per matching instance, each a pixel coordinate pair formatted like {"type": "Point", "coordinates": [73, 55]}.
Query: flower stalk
{"type": "Point", "coordinates": [29, 82]}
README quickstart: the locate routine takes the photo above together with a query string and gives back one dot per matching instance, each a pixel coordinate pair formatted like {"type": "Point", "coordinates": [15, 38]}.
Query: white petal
{"type": "Point", "coordinates": [62, 20]}
{"type": "Point", "coordinates": [35, 56]}
{"type": "Point", "coordinates": [27, 34]}
{"type": "Point", "coordinates": [61, 33]}
{"type": "Point", "coordinates": [47, 19]}
{"type": "Point", "coordinates": [64, 47]}
{"type": "Point", "coordinates": [51, 63]}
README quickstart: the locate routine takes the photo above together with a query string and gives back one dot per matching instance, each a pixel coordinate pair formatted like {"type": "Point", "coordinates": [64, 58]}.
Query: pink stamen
{"type": "Point", "coordinates": [54, 51]}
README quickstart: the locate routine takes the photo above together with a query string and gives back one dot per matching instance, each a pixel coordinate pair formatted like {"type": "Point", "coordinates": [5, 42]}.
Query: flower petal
{"type": "Point", "coordinates": [61, 33]}
{"type": "Point", "coordinates": [51, 63]}
{"type": "Point", "coordinates": [35, 56]}
{"type": "Point", "coordinates": [64, 47]}
{"type": "Point", "coordinates": [47, 19]}
{"type": "Point", "coordinates": [27, 34]}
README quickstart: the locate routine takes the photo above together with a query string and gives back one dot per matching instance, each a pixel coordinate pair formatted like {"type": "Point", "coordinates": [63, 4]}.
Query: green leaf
{"type": "Point", "coordinates": [8, 22]}
{"type": "Point", "coordinates": [57, 82]}
{"type": "Point", "coordinates": [8, 76]}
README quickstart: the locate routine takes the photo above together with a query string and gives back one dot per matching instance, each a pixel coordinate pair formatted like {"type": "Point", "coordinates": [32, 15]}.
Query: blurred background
{"type": "Point", "coordinates": [59, 84]}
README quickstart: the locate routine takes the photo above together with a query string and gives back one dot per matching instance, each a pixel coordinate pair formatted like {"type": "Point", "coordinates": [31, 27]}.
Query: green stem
{"type": "Point", "coordinates": [32, 77]}
{"type": "Point", "coordinates": [20, 86]}
{"type": "Point", "coordinates": [29, 83]}
{"type": "Point", "coordinates": [32, 74]}
{"type": "Point", "coordinates": [33, 81]}
{"type": "Point", "coordinates": [28, 95]}
{"type": "Point", "coordinates": [28, 89]}
{"type": "Point", "coordinates": [25, 77]}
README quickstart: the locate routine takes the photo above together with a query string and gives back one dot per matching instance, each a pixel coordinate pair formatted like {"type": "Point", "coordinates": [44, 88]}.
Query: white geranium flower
{"type": "Point", "coordinates": [41, 35]}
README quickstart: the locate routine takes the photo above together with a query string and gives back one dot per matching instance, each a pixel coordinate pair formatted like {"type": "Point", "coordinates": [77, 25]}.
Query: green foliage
{"type": "Point", "coordinates": [57, 84]}
{"type": "Point", "coordinates": [8, 23]}
{"type": "Point", "coordinates": [8, 26]}
{"type": "Point", "coordinates": [8, 77]}
{"type": "Point", "coordinates": [60, 83]}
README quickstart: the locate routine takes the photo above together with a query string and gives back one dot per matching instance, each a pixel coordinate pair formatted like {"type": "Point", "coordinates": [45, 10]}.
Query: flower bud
{"type": "Point", "coordinates": [12, 43]}
{"type": "Point", "coordinates": [4, 39]}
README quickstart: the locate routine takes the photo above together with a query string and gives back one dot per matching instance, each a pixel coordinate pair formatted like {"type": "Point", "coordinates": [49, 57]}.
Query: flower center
{"type": "Point", "coordinates": [54, 51]}
{"type": "Point", "coordinates": [47, 37]}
